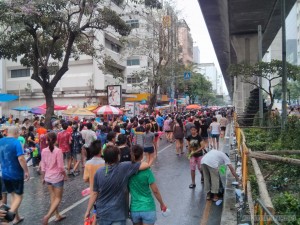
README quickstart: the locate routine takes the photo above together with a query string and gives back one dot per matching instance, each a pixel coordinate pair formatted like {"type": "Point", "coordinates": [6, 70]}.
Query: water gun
{"type": "Point", "coordinates": [35, 152]}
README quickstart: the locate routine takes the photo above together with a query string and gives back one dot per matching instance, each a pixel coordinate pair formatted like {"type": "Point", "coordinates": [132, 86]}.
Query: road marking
{"type": "Point", "coordinates": [70, 207]}
{"type": "Point", "coordinates": [206, 212]}
{"type": "Point", "coordinates": [165, 148]}
{"type": "Point", "coordinates": [87, 197]}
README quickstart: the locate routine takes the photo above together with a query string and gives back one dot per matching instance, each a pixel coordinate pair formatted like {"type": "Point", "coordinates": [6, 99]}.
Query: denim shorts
{"type": "Point", "coordinates": [59, 184]}
{"type": "Point", "coordinates": [216, 136]}
{"type": "Point", "coordinates": [143, 217]}
{"type": "Point", "coordinates": [108, 222]}
{"type": "Point", "coordinates": [149, 150]}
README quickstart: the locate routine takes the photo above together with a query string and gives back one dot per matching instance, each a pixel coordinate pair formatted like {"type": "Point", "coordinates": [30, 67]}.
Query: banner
{"type": "Point", "coordinates": [114, 95]}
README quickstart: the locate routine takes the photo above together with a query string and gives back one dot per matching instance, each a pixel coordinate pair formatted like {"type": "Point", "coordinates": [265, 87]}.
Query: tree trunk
{"type": "Point", "coordinates": [50, 107]}
{"type": "Point", "coordinates": [273, 158]}
{"type": "Point", "coordinates": [262, 187]}
{"type": "Point", "coordinates": [153, 98]}
{"type": "Point", "coordinates": [281, 152]}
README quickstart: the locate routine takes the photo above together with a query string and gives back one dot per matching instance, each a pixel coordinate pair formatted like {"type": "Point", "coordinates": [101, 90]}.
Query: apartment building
{"type": "Point", "coordinates": [185, 43]}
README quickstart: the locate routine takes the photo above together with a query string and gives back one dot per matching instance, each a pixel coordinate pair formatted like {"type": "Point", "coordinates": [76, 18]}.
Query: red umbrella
{"type": "Point", "coordinates": [56, 107]}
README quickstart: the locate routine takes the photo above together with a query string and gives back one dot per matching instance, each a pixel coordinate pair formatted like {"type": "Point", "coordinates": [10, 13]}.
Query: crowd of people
{"type": "Point", "coordinates": [114, 154]}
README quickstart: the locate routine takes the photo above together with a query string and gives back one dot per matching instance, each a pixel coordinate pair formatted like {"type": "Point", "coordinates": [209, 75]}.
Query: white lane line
{"type": "Point", "coordinates": [165, 148]}
{"type": "Point", "coordinates": [70, 207]}
{"type": "Point", "coordinates": [87, 197]}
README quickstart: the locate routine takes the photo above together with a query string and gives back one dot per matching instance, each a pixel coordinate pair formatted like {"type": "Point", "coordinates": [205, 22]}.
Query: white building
{"type": "Point", "coordinates": [196, 55]}
{"type": "Point", "coordinates": [84, 83]}
{"type": "Point", "coordinates": [210, 71]}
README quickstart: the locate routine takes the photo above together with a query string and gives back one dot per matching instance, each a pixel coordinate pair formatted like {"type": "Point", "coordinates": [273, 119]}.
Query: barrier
{"type": "Point", "coordinates": [262, 215]}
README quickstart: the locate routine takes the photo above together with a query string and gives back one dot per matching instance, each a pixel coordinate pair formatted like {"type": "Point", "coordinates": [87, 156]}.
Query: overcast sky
{"type": "Point", "coordinates": [191, 12]}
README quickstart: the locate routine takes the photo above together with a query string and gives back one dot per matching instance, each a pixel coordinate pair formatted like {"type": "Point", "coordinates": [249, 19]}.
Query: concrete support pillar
{"type": "Point", "coordinates": [246, 50]}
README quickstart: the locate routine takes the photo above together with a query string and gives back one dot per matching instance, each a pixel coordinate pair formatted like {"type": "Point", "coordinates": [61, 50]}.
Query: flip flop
{"type": "Point", "coordinates": [61, 217]}
{"type": "Point", "coordinates": [19, 221]}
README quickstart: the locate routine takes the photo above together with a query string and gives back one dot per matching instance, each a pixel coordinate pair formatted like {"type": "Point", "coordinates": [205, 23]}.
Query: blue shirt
{"type": "Point", "coordinates": [10, 150]}
{"type": "Point", "coordinates": [160, 121]}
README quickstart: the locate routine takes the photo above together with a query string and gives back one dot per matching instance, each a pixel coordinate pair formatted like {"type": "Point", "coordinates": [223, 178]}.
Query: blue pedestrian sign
{"type": "Point", "coordinates": [187, 75]}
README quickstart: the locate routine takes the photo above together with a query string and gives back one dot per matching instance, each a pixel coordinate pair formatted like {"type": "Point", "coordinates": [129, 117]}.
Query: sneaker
{"type": "Point", "coordinates": [192, 186]}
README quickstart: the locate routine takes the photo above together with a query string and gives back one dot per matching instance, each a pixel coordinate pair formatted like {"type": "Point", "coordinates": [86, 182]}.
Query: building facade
{"type": "Point", "coordinates": [185, 43]}
{"type": "Point", "coordinates": [196, 55]}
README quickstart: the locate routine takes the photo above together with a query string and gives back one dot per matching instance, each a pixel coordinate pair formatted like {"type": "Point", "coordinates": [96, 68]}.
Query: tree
{"type": "Point", "coordinates": [197, 87]}
{"type": "Point", "coordinates": [269, 71]}
{"type": "Point", "coordinates": [293, 90]}
{"type": "Point", "coordinates": [47, 33]}
{"type": "Point", "coordinates": [155, 43]}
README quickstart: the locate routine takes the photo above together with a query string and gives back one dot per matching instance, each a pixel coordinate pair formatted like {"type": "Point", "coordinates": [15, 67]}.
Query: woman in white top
{"type": "Point", "coordinates": [215, 132]}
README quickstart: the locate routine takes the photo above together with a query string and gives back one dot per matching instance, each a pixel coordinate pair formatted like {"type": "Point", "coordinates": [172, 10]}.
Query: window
{"type": "Point", "coordinates": [133, 23]}
{"type": "Point", "coordinates": [133, 62]}
{"type": "Point", "coordinates": [134, 80]}
{"type": "Point", "coordinates": [20, 73]}
{"type": "Point", "coordinates": [112, 46]}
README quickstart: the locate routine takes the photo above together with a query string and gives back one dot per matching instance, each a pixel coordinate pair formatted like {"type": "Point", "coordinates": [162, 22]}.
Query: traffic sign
{"type": "Point", "coordinates": [187, 75]}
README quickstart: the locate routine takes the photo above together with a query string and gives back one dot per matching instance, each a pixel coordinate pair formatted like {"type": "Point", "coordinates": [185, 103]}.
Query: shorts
{"type": "Point", "coordinates": [209, 133]}
{"type": "Point", "coordinates": [14, 186]}
{"type": "Point", "coordinates": [59, 184]}
{"type": "Point", "coordinates": [223, 128]}
{"type": "Point", "coordinates": [195, 162]}
{"type": "Point", "coordinates": [2, 186]}
{"type": "Point", "coordinates": [143, 217]}
{"type": "Point", "coordinates": [149, 150]}
{"type": "Point", "coordinates": [76, 155]}
{"type": "Point", "coordinates": [67, 155]}
{"type": "Point", "coordinates": [216, 136]}
{"type": "Point", "coordinates": [108, 222]}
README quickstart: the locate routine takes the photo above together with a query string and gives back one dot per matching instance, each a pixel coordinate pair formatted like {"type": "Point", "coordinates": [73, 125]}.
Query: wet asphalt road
{"type": "Point", "coordinates": [172, 176]}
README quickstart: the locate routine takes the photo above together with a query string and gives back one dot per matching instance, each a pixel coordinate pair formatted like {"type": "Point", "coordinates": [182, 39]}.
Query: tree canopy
{"type": "Point", "coordinates": [45, 34]}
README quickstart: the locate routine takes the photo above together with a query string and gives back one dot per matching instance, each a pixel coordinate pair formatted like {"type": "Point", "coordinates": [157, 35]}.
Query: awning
{"type": "Point", "coordinates": [8, 97]}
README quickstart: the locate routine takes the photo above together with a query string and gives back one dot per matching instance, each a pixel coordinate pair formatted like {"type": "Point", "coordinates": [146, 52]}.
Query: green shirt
{"type": "Point", "coordinates": [141, 195]}
{"type": "Point", "coordinates": [22, 140]}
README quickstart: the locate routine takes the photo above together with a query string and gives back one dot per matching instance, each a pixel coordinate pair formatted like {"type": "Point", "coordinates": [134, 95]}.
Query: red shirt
{"type": "Point", "coordinates": [41, 131]}
{"type": "Point", "coordinates": [64, 140]}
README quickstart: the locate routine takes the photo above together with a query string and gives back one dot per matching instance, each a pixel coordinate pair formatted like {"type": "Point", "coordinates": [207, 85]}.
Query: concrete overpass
{"type": "Point", "coordinates": [233, 24]}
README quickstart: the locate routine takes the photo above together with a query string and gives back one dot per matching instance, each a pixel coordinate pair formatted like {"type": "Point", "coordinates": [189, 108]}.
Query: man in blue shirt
{"type": "Point", "coordinates": [14, 169]}
{"type": "Point", "coordinates": [160, 121]}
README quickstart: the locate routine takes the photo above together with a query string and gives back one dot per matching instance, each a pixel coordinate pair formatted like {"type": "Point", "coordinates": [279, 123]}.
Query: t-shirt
{"type": "Point", "coordinates": [195, 141]}
{"type": "Point", "coordinates": [22, 140]}
{"type": "Point", "coordinates": [91, 168]}
{"type": "Point", "coordinates": [41, 130]}
{"type": "Point", "coordinates": [197, 125]}
{"type": "Point", "coordinates": [64, 140]}
{"type": "Point", "coordinates": [89, 136]}
{"type": "Point", "coordinates": [223, 122]}
{"type": "Point", "coordinates": [10, 150]}
{"type": "Point", "coordinates": [125, 154]}
{"type": "Point", "coordinates": [160, 121]}
{"type": "Point", "coordinates": [188, 128]}
{"type": "Point", "coordinates": [141, 195]}
{"type": "Point", "coordinates": [30, 143]}
{"type": "Point", "coordinates": [204, 128]}
{"type": "Point", "coordinates": [148, 139]}
{"type": "Point", "coordinates": [215, 158]}
{"type": "Point", "coordinates": [218, 116]}
{"type": "Point", "coordinates": [215, 128]}
{"type": "Point", "coordinates": [111, 184]}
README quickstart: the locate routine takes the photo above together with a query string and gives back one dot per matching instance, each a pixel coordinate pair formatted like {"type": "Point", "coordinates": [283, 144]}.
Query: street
{"type": "Point", "coordinates": [172, 176]}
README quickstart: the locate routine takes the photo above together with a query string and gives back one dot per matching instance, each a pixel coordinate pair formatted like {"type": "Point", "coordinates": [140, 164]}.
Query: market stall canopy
{"type": "Point", "coordinates": [92, 107]}
{"type": "Point", "coordinates": [56, 107]}
{"type": "Point", "coordinates": [194, 106]}
{"type": "Point", "coordinates": [78, 112]}
{"type": "Point", "coordinates": [108, 110]}
{"type": "Point", "coordinates": [38, 111]}
{"type": "Point", "coordinates": [8, 97]}
{"type": "Point", "coordinates": [22, 108]}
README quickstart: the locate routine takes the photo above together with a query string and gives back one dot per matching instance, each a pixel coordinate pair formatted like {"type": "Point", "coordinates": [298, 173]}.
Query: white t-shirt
{"type": "Point", "coordinates": [218, 116]}
{"type": "Point", "coordinates": [215, 158]}
{"type": "Point", "coordinates": [215, 128]}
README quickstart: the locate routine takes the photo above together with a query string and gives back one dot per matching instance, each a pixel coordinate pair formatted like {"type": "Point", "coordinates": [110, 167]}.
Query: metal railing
{"type": "Point", "coordinates": [261, 215]}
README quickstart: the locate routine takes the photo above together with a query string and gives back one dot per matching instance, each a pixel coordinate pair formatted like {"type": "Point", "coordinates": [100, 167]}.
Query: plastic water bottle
{"type": "Point", "coordinates": [86, 192]}
{"type": "Point", "coordinates": [166, 212]}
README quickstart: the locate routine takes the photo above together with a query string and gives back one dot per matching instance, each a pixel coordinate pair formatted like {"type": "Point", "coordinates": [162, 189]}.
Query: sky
{"type": "Point", "coordinates": [191, 12]}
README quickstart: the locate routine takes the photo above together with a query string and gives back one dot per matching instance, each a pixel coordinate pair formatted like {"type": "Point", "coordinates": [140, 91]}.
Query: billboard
{"type": "Point", "coordinates": [134, 109]}
{"type": "Point", "coordinates": [114, 95]}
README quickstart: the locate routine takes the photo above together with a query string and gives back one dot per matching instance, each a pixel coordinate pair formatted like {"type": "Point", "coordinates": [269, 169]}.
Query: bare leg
{"type": "Point", "coordinates": [15, 204]}
{"type": "Point", "coordinates": [193, 175]}
{"type": "Point", "coordinates": [54, 205]}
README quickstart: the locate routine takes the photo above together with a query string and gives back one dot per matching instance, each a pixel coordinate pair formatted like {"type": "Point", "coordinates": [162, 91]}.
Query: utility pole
{"type": "Point", "coordinates": [172, 64]}
{"type": "Point", "coordinates": [284, 75]}
{"type": "Point", "coordinates": [261, 104]}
